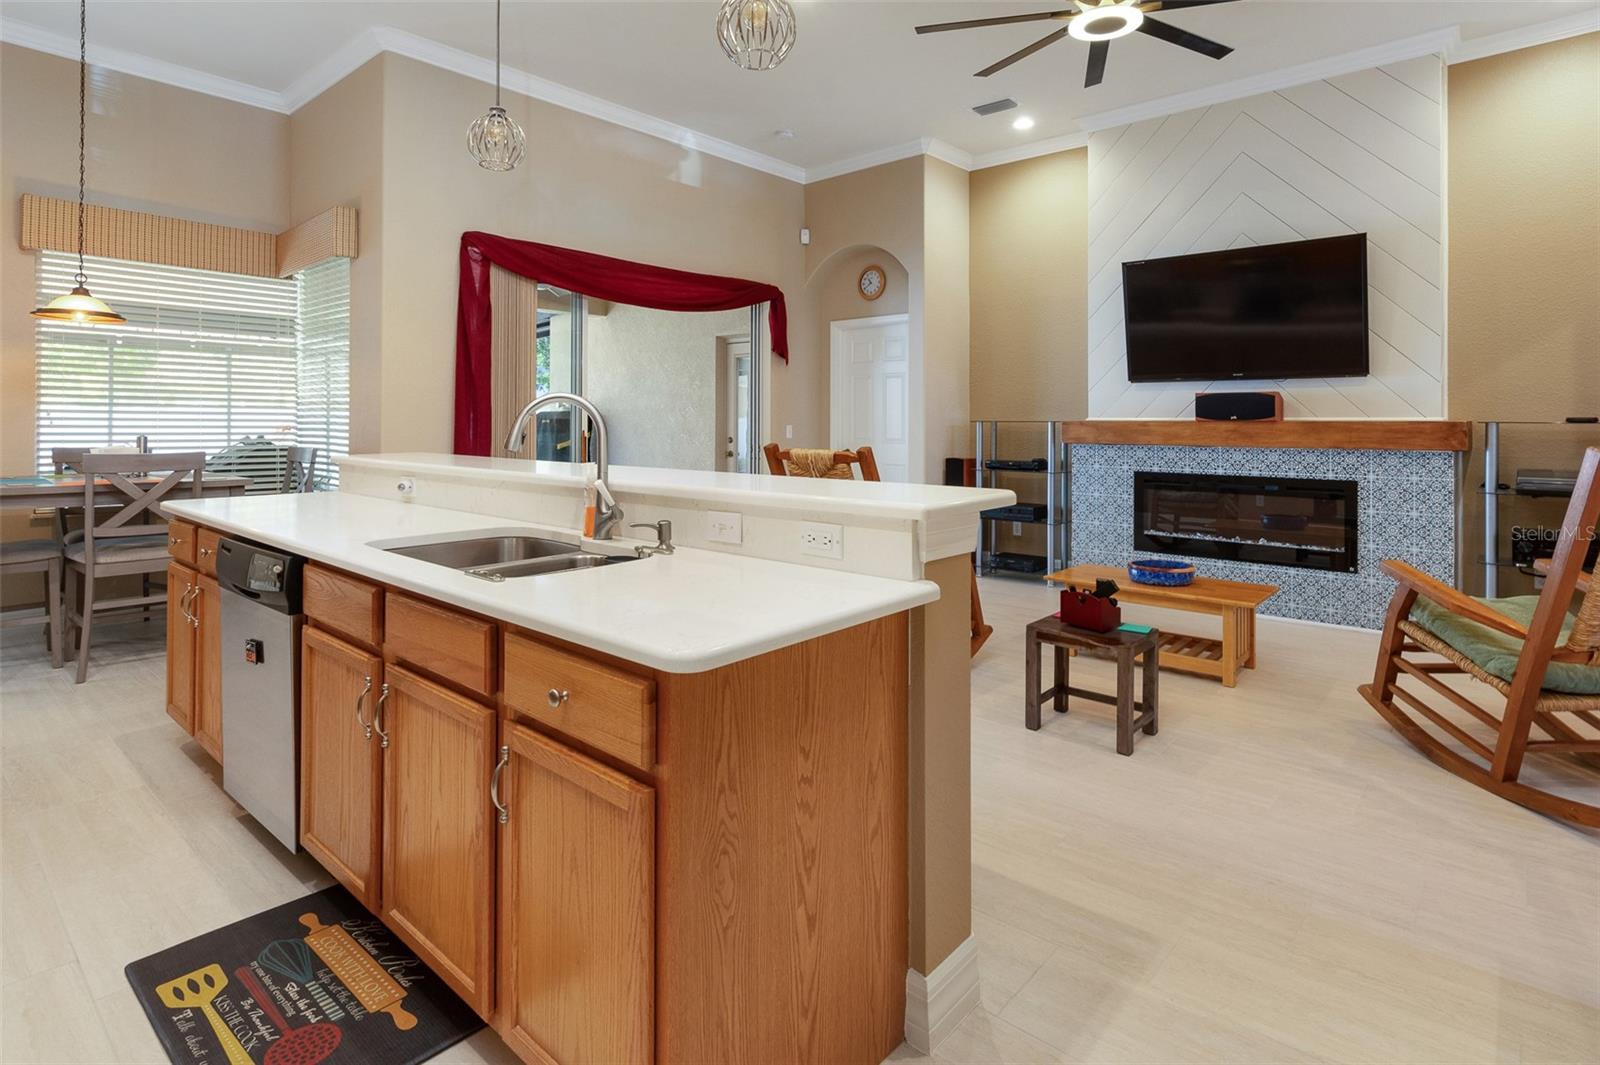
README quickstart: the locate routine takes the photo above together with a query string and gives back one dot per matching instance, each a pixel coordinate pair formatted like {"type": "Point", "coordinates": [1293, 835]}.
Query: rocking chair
{"type": "Point", "coordinates": [820, 462]}
{"type": "Point", "coordinates": [1544, 662]}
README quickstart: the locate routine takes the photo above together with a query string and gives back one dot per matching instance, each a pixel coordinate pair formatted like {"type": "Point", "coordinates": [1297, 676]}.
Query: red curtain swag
{"type": "Point", "coordinates": [599, 276]}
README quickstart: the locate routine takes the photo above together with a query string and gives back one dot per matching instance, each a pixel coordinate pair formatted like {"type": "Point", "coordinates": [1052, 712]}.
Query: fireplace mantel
{"type": "Point", "coordinates": [1346, 435]}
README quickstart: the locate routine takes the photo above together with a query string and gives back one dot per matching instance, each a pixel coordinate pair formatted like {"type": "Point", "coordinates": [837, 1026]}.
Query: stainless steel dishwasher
{"type": "Point", "coordinates": [261, 683]}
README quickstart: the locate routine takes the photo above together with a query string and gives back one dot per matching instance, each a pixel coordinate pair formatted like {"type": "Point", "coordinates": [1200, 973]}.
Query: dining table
{"type": "Point", "coordinates": [64, 491]}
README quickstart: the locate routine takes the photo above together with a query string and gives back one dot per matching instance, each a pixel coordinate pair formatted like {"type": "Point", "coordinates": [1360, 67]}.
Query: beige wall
{"type": "Point", "coordinates": [1030, 238]}
{"type": "Point", "coordinates": [586, 184]}
{"type": "Point", "coordinates": [946, 317]}
{"type": "Point", "coordinates": [1524, 300]}
{"type": "Point", "coordinates": [832, 295]}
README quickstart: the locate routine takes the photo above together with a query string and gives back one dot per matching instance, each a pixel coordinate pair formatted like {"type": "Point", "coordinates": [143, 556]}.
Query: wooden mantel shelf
{"type": "Point", "coordinates": [1363, 435]}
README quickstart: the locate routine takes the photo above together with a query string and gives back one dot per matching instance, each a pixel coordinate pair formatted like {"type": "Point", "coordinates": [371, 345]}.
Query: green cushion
{"type": "Point", "coordinates": [1495, 652]}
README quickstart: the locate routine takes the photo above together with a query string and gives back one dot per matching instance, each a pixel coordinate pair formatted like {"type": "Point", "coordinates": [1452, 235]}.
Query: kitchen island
{"type": "Point", "coordinates": [671, 809]}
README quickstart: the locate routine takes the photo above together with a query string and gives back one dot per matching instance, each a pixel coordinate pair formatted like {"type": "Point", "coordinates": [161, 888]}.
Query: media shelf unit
{"type": "Point", "coordinates": [1027, 457]}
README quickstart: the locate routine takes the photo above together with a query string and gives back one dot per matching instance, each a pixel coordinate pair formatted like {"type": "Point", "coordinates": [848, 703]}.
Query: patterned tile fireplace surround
{"type": "Point", "coordinates": [1406, 509]}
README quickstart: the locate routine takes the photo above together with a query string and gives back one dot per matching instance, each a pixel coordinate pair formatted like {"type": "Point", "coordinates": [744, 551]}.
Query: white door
{"type": "Point", "coordinates": [871, 392]}
{"type": "Point", "coordinates": [735, 414]}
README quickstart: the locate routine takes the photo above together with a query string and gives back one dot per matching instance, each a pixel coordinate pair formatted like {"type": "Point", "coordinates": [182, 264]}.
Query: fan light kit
{"type": "Point", "coordinates": [1097, 22]}
{"type": "Point", "coordinates": [1106, 22]}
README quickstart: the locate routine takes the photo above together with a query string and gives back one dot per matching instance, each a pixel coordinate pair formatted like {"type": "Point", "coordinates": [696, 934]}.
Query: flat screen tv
{"type": "Point", "coordinates": [1258, 313]}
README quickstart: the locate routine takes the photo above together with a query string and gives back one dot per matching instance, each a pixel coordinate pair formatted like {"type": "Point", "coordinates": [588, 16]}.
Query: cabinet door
{"type": "Point", "coordinates": [207, 606]}
{"type": "Point", "coordinates": [180, 646]}
{"type": "Point", "coordinates": [577, 906]}
{"type": "Point", "coordinates": [340, 763]}
{"type": "Point", "coordinates": [438, 844]}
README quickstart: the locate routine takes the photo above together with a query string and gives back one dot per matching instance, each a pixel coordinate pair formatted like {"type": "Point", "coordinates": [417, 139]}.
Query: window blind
{"type": "Point", "coordinates": [322, 380]}
{"type": "Point", "coordinates": [207, 362]}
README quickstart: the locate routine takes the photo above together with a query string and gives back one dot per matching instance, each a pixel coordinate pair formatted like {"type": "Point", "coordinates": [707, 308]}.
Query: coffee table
{"type": "Point", "coordinates": [1235, 602]}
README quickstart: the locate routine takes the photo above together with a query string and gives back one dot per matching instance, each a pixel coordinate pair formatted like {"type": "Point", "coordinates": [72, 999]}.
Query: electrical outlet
{"type": "Point", "coordinates": [1016, 528]}
{"type": "Point", "coordinates": [724, 527]}
{"type": "Point", "coordinates": [823, 541]}
{"type": "Point", "coordinates": [788, 432]}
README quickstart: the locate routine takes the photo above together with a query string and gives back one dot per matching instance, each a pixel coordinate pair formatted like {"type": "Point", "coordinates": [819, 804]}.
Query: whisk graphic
{"type": "Point", "coordinates": [293, 960]}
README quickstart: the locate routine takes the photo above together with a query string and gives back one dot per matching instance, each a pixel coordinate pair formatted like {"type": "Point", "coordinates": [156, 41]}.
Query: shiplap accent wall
{"type": "Point", "coordinates": [1357, 153]}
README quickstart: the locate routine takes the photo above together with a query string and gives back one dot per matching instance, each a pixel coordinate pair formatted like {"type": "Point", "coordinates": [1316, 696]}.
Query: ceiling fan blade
{"type": "Point", "coordinates": [1179, 5]}
{"type": "Point", "coordinates": [1004, 20]}
{"type": "Point", "coordinates": [1098, 51]}
{"type": "Point", "coordinates": [1183, 38]}
{"type": "Point", "coordinates": [1022, 53]}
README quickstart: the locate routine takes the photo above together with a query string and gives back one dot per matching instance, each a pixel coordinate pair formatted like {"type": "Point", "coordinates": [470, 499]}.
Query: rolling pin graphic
{"type": "Point", "coordinates": [368, 981]}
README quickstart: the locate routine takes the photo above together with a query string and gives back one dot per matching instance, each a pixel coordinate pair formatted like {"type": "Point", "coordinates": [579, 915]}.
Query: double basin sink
{"type": "Point", "coordinates": [498, 557]}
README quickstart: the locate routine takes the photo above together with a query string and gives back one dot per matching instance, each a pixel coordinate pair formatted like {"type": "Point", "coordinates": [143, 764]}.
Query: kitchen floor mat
{"type": "Point", "coordinates": [319, 979]}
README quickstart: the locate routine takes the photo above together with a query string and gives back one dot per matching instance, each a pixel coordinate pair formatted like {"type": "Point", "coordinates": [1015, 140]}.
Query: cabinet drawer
{"type": "Point", "coordinates": [344, 604]}
{"type": "Point", "coordinates": [452, 645]}
{"type": "Point", "coordinates": [206, 541]}
{"type": "Point", "coordinates": [607, 708]}
{"type": "Point", "coordinates": [180, 541]}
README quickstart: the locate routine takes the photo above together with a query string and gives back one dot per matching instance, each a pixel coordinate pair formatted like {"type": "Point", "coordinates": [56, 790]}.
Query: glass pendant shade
{"type": "Point", "coordinates": [496, 141]}
{"type": "Point", "coordinates": [79, 307]}
{"type": "Point", "coordinates": [756, 34]}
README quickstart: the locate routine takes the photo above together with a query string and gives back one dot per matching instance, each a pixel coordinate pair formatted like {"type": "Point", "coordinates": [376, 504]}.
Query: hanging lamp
{"type": "Point", "coordinates": [495, 140]}
{"type": "Point", "coordinates": [78, 306]}
{"type": "Point", "coordinates": [756, 34]}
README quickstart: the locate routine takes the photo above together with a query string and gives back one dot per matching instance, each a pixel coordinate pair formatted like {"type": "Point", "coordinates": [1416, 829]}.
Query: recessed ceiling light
{"type": "Point", "coordinates": [1106, 22]}
{"type": "Point", "coordinates": [1022, 122]}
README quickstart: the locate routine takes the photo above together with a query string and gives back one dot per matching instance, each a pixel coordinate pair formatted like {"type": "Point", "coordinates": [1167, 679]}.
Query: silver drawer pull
{"type": "Point", "coordinates": [174, 540]}
{"type": "Point", "coordinates": [494, 785]}
{"type": "Point", "coordinates": [557, 696]}
{"type": "Point", "coordinates": [365, 728]}
{"type": "Point", "coordinates": [377, 717]}
{"type": "Point", "coordinates": [204, 551]}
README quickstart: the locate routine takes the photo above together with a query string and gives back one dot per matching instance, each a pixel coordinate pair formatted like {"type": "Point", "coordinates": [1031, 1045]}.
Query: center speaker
{"type": "Point", "coordinates": [1238, 406]}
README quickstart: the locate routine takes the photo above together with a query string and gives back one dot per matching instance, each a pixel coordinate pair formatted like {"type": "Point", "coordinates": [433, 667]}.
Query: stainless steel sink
{"type": "Point", "coordinates": [554, 564]}
{"type": "Point", "coordinates": [487, 551]}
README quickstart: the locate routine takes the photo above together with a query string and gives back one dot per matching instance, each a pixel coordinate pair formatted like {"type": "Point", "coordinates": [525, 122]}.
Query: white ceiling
{"type": "Point", "coordinates": [859, 83]}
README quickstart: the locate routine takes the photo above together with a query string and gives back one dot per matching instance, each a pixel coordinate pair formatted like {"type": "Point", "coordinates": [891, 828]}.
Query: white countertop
{"type": "Point", "coordinates": [683, 613]}
{"type": "Point", "coordinates": [886, 499]}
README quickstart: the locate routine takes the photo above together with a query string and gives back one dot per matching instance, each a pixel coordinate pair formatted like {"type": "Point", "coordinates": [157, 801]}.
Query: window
{"type": "Point", "coordinates": [238, 367]}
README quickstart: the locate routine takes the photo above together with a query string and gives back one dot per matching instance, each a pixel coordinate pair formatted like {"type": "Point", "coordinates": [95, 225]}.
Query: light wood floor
{"type": "Point", "coordinates": [1275, 877]}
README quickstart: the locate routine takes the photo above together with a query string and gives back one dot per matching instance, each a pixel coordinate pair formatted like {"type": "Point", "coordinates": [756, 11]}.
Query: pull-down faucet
{"type": "Point", "coordinates": [606, 515]}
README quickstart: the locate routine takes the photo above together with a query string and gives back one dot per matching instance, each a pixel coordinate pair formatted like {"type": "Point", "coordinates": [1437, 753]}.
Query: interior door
{"type": "Point", "coordinates": [438, 841]}
{"type": "Point", "coordinates": [340, 764]}
{"type": "Point", "coordinates": [872, 391]}
{"type": "Point", "coordinates": [577, 906]}
{"type": "Point", "coordinates": [207, 606]}
{"type": "Point", "coordinates": [180, 646]}
{"type": "Point", "coordinates": [733, 395]}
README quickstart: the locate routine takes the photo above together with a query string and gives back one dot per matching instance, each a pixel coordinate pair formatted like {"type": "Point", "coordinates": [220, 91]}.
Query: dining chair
{"type": "Point", "coordinates": [300, 470]}
{"type": "Point", "coordinates": [836, 465]}
{"type": "Point", "coordinates": [123, 539]}
{"type": "Point", "coordinates": [36, 556]}
{"type": "Point", "coordinates": [1542, 660]}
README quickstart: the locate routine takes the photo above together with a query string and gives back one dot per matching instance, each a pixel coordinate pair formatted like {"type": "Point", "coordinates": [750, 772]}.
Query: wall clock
{"type": "Point", "coordinates": [872, 282]}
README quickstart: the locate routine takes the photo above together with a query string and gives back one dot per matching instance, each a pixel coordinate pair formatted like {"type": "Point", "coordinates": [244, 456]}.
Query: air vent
{"type": "Point", "coordinates": [996, 107]}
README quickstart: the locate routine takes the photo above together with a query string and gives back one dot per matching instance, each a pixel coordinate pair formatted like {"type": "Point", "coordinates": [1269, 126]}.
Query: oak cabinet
{"type": "Point", "coordinates": [340, 761]}
{"type": "Point", "coordinates": [577, 906]}
{"type": "Point", "coordinates": [206, 608]}
{"type": "Point", "coordinates": [182, 585]}
{"type": "Point", "coordinates": [438, 843]}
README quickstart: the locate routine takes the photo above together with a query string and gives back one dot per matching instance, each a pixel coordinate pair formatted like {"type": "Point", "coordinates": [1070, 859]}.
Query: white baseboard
{"type": "Point", "coordinates": [936, 1003]}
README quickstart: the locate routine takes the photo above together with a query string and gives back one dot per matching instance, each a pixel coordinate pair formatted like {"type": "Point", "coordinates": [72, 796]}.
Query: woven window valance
{"type": "Point", "coordinates": [52, 225]}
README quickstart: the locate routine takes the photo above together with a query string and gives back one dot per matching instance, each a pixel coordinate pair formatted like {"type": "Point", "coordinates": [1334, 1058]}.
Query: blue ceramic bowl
{"type": "Point", "coordinates": [1166, 572]}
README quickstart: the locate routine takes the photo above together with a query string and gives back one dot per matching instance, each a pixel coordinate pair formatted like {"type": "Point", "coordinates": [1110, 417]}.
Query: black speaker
{"type": "Point", "coordinates": [1238, 406]}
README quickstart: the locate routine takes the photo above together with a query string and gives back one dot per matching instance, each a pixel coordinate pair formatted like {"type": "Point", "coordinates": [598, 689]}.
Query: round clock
{"type": "Point", "coordinates": [872, 282]}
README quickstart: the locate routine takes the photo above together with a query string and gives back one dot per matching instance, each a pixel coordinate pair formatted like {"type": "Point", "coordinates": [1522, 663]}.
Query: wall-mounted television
{"type": "Point", "coordinates": [1257, 313]}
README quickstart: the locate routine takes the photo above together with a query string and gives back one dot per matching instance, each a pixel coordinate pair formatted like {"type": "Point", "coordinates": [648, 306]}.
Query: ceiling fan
{"type": "Point", "coordinates": [1099, 22]}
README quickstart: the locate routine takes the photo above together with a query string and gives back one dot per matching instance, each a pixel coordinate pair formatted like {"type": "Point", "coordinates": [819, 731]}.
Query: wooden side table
{"type": "Point", "coordinates": [1119, 646]}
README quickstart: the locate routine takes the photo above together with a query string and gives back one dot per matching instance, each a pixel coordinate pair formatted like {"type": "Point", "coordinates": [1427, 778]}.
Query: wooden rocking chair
{"type": "Point", "coordinates": [819, 462]}
{"type": "Point", "coordinates": [1545, 663]}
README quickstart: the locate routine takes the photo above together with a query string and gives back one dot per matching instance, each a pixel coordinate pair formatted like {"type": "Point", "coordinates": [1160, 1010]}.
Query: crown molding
{"type": "Point", "coordinates": [866, 161]}
{"type": "Point", "coordinates": [1438, 41]}
{"type": "Point", "coordinates": [27, 35]}
{"type": "Point", "coordinates": [1049, 146]}
{"type": "Point", "coordinates": [1527, 36]}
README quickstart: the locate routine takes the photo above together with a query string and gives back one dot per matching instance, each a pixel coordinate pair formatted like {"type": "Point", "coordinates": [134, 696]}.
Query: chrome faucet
{"type": "Point", "coordinates": [606, 515]}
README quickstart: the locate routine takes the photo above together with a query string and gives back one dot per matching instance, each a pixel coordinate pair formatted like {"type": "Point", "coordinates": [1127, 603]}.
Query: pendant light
{"type": "Point", "coordinates": [495, 140]}
{"type": "Point", "coordinates": [78, 306]}
{"type": "Point", "coordinates": [756, 34]}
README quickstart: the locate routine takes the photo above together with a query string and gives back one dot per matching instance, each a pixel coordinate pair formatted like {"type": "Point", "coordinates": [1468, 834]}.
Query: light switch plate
{"type": "Point", "coordinates": [724, 527]}
{"type": "Point", "coordinates": [823, 541]}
